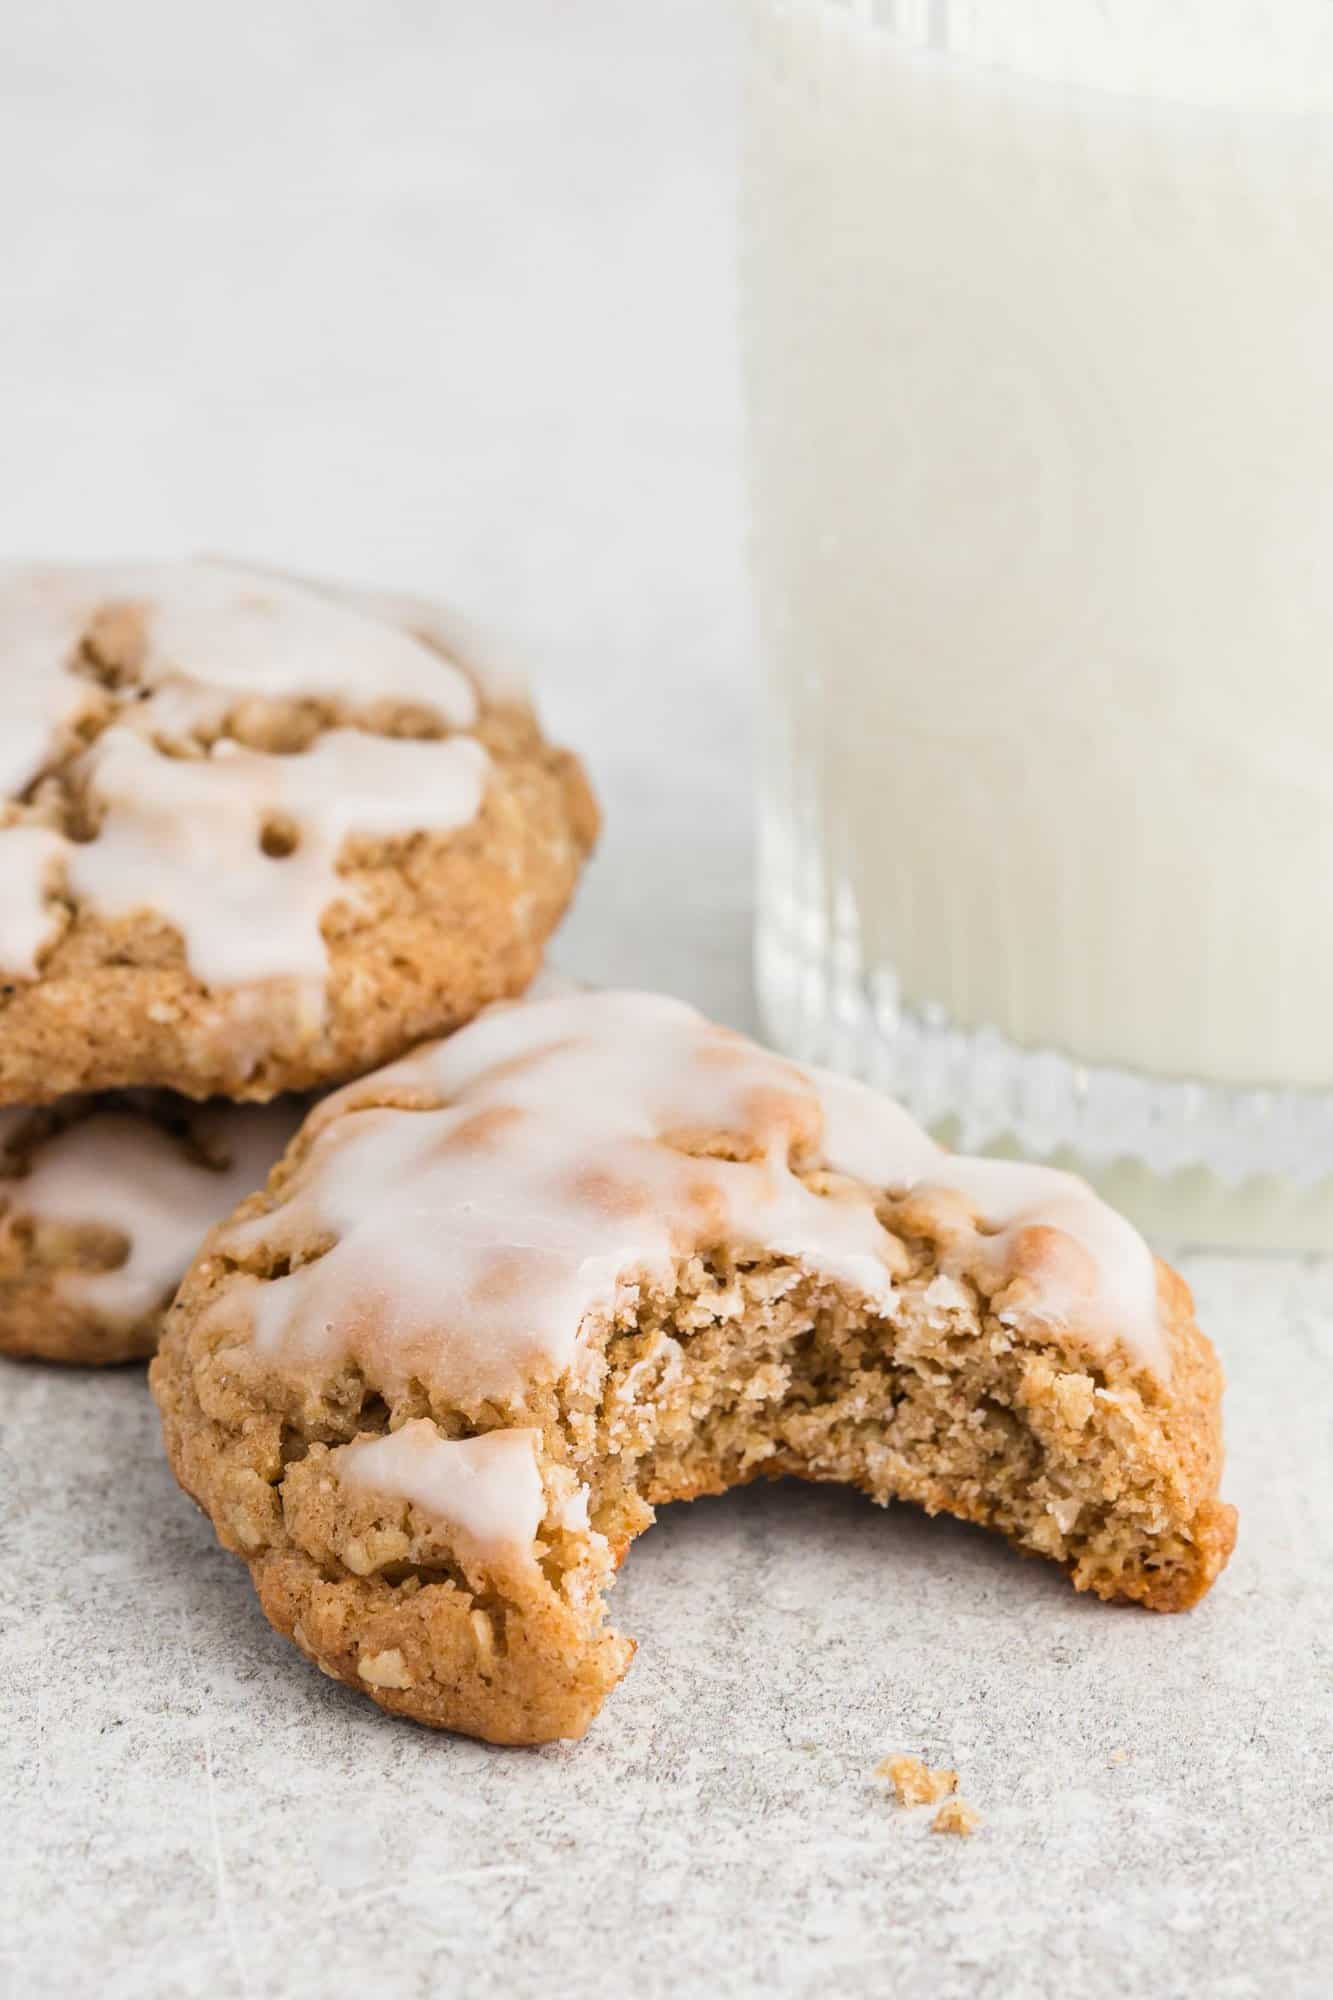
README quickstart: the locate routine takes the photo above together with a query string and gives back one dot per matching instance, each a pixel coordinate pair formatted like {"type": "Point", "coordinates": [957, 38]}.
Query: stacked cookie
{"type": "Point", "coordinates": [256, 836]}
{"type": "Point", "coordinates": [510, 1287]}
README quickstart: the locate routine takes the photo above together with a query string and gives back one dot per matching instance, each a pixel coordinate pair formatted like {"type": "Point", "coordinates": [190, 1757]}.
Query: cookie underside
{"type": "Point", "coordinates": [747, 1368]}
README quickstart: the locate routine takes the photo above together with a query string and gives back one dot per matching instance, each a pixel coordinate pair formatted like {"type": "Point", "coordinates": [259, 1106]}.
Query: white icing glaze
{"type": "Point", "coordinates": [118, 1168]}
{"type": "Point", "coordinates": [181, 837]}
{"type": "Point", "coordinates": [29, 869]}
{"type": "Point", "coordinates": [228, 632]}
{"type": "Point", "coordinates": [545, 1175]}
{"type": "Point", "coordinates": [572, 1513]}
{"type": "Point", "coordinates": [38, 697]}
{"type": "Point", "coordinates": [488, 659]}
{"type": "Point", "coordinates": [1112, 1288]}
{"type": "Point", "coordinates": [214, 633]}
{"type": "Point", "coordinates": [486, 1490]}
{"type": "Point", "coordinates": [180, 834]}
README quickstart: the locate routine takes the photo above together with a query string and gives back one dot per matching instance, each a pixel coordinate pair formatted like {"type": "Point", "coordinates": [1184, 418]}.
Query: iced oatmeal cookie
{"type": "Point", "coordinates": [592, 1254]}
{"type": "Point", "coordinates": [104, 1201]}
{"type": "Point", "coordinates": [255, 835]}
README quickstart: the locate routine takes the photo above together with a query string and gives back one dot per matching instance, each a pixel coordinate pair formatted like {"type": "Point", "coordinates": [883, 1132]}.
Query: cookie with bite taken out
{"type": "Point", "coordinates": [503, 1298]}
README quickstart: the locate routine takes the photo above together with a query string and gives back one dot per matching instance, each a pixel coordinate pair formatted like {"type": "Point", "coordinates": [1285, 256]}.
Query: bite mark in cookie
{"type": "Point", "coordinates": [644, 1258]}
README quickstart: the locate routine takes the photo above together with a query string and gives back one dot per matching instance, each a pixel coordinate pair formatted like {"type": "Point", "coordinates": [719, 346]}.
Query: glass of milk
{"type": "Point", "coordinates": [1038, 323]}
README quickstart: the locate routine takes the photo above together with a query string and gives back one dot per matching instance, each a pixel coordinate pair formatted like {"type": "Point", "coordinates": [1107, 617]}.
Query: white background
{"type": "Point", "coordinates": [430, 292]}
{"type": "Point", "coordinates": [442, 295]}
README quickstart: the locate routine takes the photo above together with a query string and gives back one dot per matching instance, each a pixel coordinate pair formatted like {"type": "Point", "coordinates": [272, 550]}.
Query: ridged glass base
{"type": "Point", "coordinates": [1192, 1163]}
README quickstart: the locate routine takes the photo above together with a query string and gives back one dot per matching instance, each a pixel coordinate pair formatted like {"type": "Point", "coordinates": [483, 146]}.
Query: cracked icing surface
{"type": "Point", "coordinates": [103, 1202]}
{"type": "Point", "coordinates": [548, 1165]}
{"type": "Point", "coordinates": [214, 781]}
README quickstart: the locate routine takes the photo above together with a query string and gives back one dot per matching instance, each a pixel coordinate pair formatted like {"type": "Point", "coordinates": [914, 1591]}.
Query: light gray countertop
{"type": "Point", "coordinates": [453, 307]}
{"type": "Point", "coordinates": [193, 1810]}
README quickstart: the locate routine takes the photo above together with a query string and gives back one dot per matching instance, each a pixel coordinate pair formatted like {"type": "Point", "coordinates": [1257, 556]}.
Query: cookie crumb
{"type": "Point", "coordinates": [1118, 1757]}
{"type": "Point", "coordinates": [956, 1816]}
{"type": "Point", "coordinates": [914, 1783]}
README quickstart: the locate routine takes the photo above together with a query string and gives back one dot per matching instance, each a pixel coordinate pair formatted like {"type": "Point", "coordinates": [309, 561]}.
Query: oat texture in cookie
{"type": "Point", "coordinates": [104, 1201]}
{"type": "Point", "coordinates": [593, 1254]}
{"type": "Point", "coordinates": [256, 835]}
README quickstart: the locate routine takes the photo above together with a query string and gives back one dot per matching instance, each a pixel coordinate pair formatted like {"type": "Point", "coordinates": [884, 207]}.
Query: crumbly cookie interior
{"type": "Point", "coordinates": [763, 1371]}
{"type": "Point", "coordinates": [745, 1370]}
{"type": "Point", "coordinates": [501, 1300]}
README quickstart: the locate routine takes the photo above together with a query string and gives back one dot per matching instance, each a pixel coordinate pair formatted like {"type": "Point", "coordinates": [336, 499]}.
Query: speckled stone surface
{"type": "Point", "coordinates": [187, 1810]}
{"type": "Point", "coordinates": [192, 1810]}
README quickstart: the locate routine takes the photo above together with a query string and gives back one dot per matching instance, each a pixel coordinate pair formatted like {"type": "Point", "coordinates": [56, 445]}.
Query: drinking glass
{"type": "Point", "coordinates": [1038, 333]}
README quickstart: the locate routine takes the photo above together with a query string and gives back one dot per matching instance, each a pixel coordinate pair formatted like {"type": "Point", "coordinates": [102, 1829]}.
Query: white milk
{"type": "Point", "coordinates": [1041, 391]}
